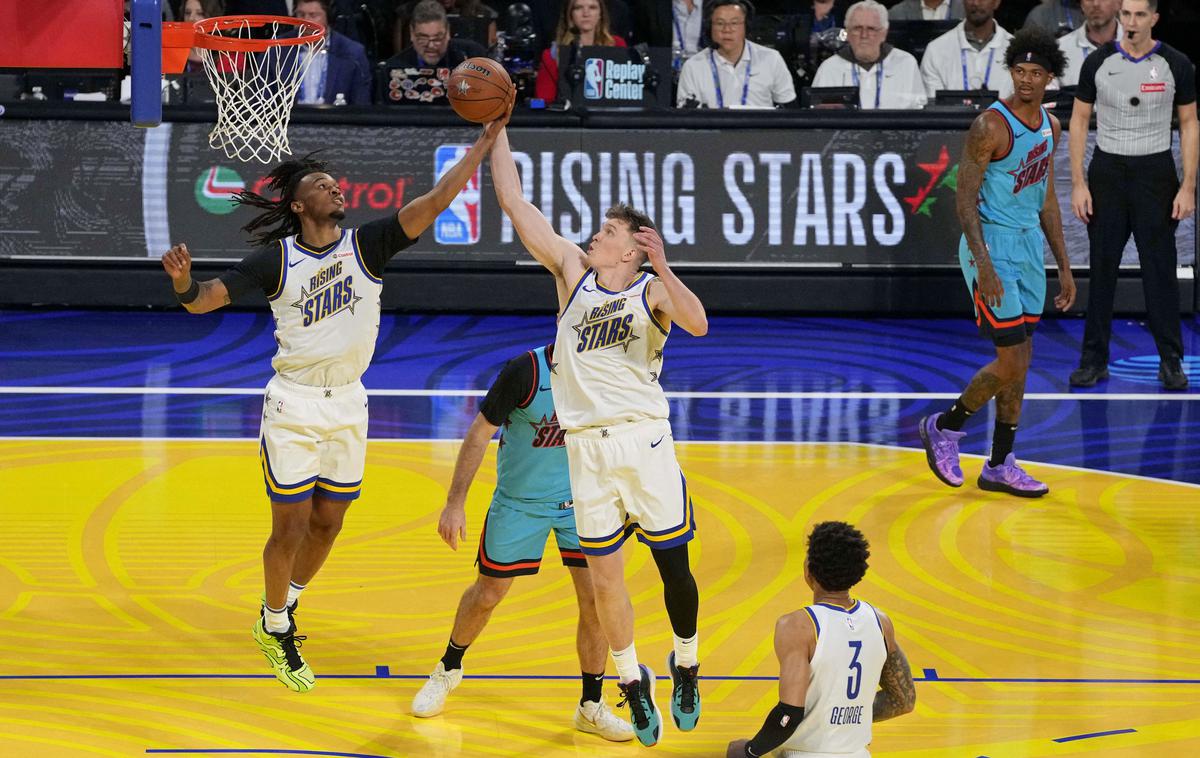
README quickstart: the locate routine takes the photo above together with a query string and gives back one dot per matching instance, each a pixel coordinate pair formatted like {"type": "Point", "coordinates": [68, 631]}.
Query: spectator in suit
{"type": "Point", "coordinates": [429, 60]}
{"type": "Point", "coordinates": [1058, 17]}
{"type": "Point", "coordinates": [886, 77]}
{"type": "Point", "coordinates": [927, 10]}
{"type": "Point", "coordinates": [582, 21]}
{"type": "Point", "coordinates": [340, 69]}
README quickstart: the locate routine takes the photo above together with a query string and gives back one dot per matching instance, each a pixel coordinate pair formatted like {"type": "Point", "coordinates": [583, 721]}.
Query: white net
{"type": "Point", "coordinates": [255, 90]}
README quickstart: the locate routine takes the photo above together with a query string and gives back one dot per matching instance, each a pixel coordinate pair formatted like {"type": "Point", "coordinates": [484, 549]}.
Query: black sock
{"type": "Point", "coordinates": [593, 687]}
{"type": "Point", "coordinates": [452, 659]}
{"type": "Point", "coordinates": [954, 418]}
{"type": "Point", "coordinates": [1002, 442]}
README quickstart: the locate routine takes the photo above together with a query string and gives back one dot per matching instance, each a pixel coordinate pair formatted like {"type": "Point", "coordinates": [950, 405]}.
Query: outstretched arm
{"type": "Point", "coordinates": [670, 296]}
{"type": "Point", "coordinates": [982, 141]}
{"type": "Point", "coordinates": [562, 257]}
{"type": "Point", "coordinates": [452, 526]}
{"type": "Point", "coordinates": [196, 297]}
{"type": "Point", "coordinates": [1051, 218]}
{"type": "Point", "coordinates": [417, 216]}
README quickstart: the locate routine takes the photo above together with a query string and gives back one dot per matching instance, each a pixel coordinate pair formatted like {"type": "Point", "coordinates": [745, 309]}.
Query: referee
{"type": "Point", "coordinates": [1132, 186]}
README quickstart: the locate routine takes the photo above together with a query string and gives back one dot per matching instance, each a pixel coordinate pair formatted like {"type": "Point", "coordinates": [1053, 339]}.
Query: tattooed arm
{"type": "Point", "coordinates": [1051, 217]}
{"type": "Point", "coordinates": [986, 135]}
{"type": "Point", "coordinates": [897, 694]}
{"type": "Point", "coordinates": [196, 297]}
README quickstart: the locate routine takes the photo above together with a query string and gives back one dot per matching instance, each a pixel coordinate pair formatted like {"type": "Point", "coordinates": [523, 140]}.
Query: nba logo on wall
{"type": "Point", "coordinates": [458, 224]}
{"type": "Point", "coordinates": [593, 79]}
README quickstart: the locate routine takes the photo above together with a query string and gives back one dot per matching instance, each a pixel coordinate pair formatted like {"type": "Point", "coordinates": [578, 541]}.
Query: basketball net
{"type": "Point", "coordinates": [255, 67]}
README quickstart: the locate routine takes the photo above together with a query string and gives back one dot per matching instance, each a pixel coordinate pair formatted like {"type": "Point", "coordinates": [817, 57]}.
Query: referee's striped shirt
{"type": "Point", "coordinates": [1136, 97]}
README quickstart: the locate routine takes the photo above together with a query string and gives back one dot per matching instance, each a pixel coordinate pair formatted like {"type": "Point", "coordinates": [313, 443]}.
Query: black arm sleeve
{"type": "Point", "coordinates": [1185, 77]}
{"type": "Point", "coordinates": [1086, 90]}
{"type": "Point", "coordinates": [262, 269]}
{"type": "Point", "coordinates": [379, 240]}
{"type": "Point", "coordinates": [780, 724]}
{"type": "Point", "coordinates": [513, 388]}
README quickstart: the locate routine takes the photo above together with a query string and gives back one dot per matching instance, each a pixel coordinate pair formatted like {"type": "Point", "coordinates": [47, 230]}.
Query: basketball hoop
{"type": "Point", "coordinates": [255, 65]}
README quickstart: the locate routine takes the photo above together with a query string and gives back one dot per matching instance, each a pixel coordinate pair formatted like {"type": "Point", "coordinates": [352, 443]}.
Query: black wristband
{"type": "Point", "coordinates": [780, 723]}
{"type": "Point", "coordinates": [190, 295]}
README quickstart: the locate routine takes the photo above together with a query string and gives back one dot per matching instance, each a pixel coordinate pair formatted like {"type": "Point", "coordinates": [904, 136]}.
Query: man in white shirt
{"type": "Point", "coordinates": [1055, 16]}
{"type": "Point", "coordinates": [1100, 27]}
{"type": "Point", "coordinates": [886, 77]}
{"type": "Point", "coordinates": [926, 10]}
{"type": "Point", "coordinates": [736, 73]}
{"type": "Point", "coordinates": [971, 55]}
{"type": "Point", "coordinates": [687, 21]}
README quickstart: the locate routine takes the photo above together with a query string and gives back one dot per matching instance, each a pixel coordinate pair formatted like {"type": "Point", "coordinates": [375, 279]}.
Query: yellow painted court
{"type": "Point", "coordinates": [130, 575]}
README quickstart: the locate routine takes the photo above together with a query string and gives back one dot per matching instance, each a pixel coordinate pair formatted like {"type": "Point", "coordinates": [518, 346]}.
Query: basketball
{"type": "Point", "coordinates": [479, 90]}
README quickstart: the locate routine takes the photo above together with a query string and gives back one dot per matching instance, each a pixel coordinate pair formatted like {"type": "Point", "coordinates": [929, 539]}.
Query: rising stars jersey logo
{"type": "Point", "coordinates": [547, 433]}
{"type": "Point", "coordinates": [605, 326]}
{"type": "Point", "coordinates": [327, 294]}
{"type": "Point", "coordinates": [1034, 168]}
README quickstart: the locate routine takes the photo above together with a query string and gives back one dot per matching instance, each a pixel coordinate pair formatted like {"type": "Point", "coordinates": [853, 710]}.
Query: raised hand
{"type": "Point", "coordinates": [177, 262]}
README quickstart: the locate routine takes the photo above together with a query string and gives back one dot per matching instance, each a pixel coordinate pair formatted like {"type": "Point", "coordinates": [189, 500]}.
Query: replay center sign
{"type": "Point", "coordinates": [747, 198]}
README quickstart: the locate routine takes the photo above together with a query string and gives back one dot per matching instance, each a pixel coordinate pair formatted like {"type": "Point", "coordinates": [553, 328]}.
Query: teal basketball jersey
{"type": "Point", "coordinates": [1014, 187]}
{"type": "Point", "coordinates": [531, 466]}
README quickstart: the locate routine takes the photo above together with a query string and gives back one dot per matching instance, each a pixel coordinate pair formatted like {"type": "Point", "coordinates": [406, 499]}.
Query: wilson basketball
{"type": "Point", "coordinates": [479, 90]}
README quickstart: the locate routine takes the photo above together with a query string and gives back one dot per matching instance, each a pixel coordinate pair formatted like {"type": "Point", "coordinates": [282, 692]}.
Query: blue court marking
{"type": "Point", "coordinates": [931, 675]}
{"type": "Point", "coordinates": [382, 672]}
{"type": "Point", "coordinates": [1095, 734]}
{"type": "Point", "coordinates": [255, 751]}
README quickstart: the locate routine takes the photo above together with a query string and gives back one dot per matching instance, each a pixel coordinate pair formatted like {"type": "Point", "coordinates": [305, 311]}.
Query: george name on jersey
{"type": "Point", "coordinates": [328, 293]}
{"type": "Point", "coordinates": [847, 715]}
{"type": "Point", "coordinates": [605, 326]}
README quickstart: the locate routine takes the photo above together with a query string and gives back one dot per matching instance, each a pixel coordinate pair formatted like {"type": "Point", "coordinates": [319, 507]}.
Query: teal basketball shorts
{"type": "Point", "coordinates": [1018, 261]}
{"type": "Point", "coordinates": [514, 538]}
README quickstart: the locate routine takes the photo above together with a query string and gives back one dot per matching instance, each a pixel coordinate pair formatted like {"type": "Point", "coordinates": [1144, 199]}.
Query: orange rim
{"type": "Point", "coordinates": [206, 33]}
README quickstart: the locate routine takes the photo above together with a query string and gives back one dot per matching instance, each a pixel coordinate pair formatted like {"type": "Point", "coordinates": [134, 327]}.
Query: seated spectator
{"type": "Point", "coordinates": [971, 55]}
{"type": "Point", "coordinates": [926, 10]}
{"type": "Point", "coordinates": [886, 77]}
{"type": "Point", "coordinates": [199, 10]}
{"type": "Point", "coordinates": [340, 68]}
{"type": "Point", "coordinates": [722, 77]}
{"type": "Point", "coordinates": [1057, 17]}
{"type": "Point", "coordinates": [419, 72]}
{"type": "Point", "coordinates": [825, 14]}
{"type": "Point", "coordinates": [1100, 26]}
{"type": "Point", "coordinates": [472, 10]}
{"type": "Point", "coordinates": [678, 24]}
{"type": "Point", "coordinates": [590, 19]}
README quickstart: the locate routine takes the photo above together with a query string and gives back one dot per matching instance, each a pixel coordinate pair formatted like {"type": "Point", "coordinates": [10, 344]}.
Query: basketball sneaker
{"type": "Point", "coordinates": [685, 696]}
{"type": "Point", "coordinates": [595, 718]}
{"type": "Point", "coordinates": [431, 698]}
{"type": "Point", "coordinates": [941, 450]}
{"type": "Point", "coordinates": [644, 715]}
{"type": "Point", "coordinates": [1010, 478]}
{"type": "Point", "coordinates": [282, 650]}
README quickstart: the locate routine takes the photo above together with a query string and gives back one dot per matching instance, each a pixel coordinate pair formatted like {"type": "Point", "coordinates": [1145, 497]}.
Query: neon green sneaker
{"type": "Point", "coordinates": [283, 654]}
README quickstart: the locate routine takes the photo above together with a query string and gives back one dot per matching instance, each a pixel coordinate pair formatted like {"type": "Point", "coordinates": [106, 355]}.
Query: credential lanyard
{"type": "Point", "coordinates": [878, 81]}
{"type": "Point", "coordinates": [986, 77]}
{"type": "Point", "coordinates": [712, 63]}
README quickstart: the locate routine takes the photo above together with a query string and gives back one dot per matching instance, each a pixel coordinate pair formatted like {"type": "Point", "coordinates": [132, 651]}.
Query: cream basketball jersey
{"type": "Point", "coordinates": [846, 664]}
{"type": "Point", "coordinates": [326, 313]}
{"type": "Point", "coordinates": [609, 356]}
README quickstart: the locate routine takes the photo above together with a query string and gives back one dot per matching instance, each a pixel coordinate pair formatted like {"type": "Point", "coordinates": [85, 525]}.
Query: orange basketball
{"type": "Point", "coordinates": [479, 90]}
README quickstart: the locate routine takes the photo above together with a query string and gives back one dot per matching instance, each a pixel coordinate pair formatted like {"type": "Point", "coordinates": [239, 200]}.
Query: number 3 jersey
{"type": "Point", "coordinates": [325, 300]}
{"type": "Point", "coordinates": [845, 669]}
{"type": "Point", "coordinates": [608, 357]}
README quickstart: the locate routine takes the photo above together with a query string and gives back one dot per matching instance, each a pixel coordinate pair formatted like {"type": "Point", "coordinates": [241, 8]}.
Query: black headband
{"type": "Point", "coordinates": [1032, 57]}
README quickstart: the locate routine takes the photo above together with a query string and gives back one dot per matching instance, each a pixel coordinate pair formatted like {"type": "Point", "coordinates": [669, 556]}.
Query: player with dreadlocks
{"type": "Point", "coordinates": [1008, 209]}
{"type": "Point", "coordinates": [840, 667]}
{"type": "Point", "coordinates": [323, 283]}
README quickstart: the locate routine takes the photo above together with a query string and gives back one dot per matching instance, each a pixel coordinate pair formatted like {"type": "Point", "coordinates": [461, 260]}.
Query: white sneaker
{"type": "Point", "coordinates": [431, 698]}
{"type": "Point", "coordinates": [596, 718]}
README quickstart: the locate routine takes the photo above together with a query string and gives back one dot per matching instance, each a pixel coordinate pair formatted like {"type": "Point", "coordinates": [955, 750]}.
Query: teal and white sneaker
{"type": "Point", "coordinates": [685, 695]}
{"type": "Point", "coordinates": [644, 715]}
{"type": "Point", "coordinates": [282, 650]}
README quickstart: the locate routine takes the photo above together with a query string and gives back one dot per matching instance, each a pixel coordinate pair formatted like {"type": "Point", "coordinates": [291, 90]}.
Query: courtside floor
{"type": "Point", "coordinates": [134, 519]}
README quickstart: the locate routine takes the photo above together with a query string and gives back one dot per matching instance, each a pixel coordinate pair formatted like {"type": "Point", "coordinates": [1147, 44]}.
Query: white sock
{"type": "Point", "coordinates": [294, 591]}
{"type": "Point", "coordinates": [685, 650]}
{"type": "Point", "coordinates": [275, 621]}
{"type": "Point", "coordinates": [627, 664]}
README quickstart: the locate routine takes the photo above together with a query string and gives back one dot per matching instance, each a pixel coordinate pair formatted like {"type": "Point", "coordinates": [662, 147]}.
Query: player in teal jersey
{"type": "Point", "coordinates": [531, 500]}
{"type": "Point", "coordinates": [1006, 203]}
